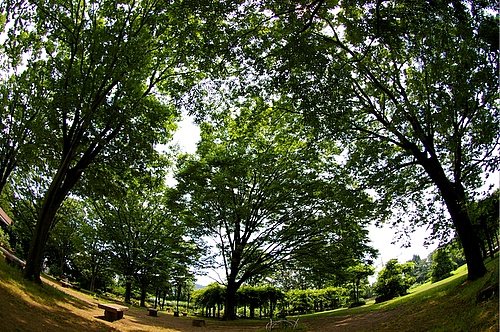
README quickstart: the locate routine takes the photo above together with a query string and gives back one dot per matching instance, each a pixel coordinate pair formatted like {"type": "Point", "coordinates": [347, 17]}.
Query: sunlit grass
{"type": "Point", "coordinates": [447, 305]}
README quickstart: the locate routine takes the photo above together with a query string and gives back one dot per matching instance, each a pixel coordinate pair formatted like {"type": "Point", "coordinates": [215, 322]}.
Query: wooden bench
{"type": "Point", "coordinates": [199, 322]}
{"type": "Point", "coordinates": [112, 312]}
{"type": "Point", "coordinates": [153, 312]}
{"type": "Point", "coordinates": [66, 284]}
{"type": "Point", "coordinates": [11, 259]}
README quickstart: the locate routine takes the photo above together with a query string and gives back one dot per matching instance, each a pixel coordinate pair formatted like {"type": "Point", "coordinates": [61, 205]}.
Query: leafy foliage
{"type": "Point", "coordinates": [4, 239]}
{"type": "Point", "coordinates": [484, 214]}
{"type": "Point", "coordinates": [442, 265]}
{"type": "Point", "coordinates": [290, 302]}
{"type": "Point", "coordinates": [260, 186]}
{"type": "Point", "coordinates": [409, 88]}
{"type": "Point", "coordinates": [108, 73]}
{"type": "Point", "coordinates": [359, 274]}
{"type": "Point", "coordinates": [303, 301]}
{"type": "Point", "coordinates": [393, 280]}
{"type": "Point", "coordinates": [421, 269]}
{"type": "Point", "coordinates": [144, 241]}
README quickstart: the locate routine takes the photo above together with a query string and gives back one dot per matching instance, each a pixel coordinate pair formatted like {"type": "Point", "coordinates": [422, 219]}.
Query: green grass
{"type": "Point", "coordinates": [39, 294]}
{"type": "Point", "coordinates": [447, 305]}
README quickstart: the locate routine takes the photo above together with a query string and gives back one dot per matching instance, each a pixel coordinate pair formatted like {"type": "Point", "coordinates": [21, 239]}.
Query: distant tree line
{"type": "Point", "coordinates": [270, 301]}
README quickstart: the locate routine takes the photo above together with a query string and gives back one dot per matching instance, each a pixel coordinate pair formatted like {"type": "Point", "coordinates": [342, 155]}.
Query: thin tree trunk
{"type": "Point", "coordinates": [92, 282]}
{"type": "Point", "coordinates": [128, 289]}
{"type": "Point", "coordinates": [143, 294]}
{"type": "Point", "coordinates": [163, 300]}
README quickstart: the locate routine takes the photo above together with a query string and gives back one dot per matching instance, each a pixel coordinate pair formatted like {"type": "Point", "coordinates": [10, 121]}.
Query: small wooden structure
{"type": "Point", "coordinates": [112, 312]}
{"type": "Point", "coordinates": [11, 259]}
{"type": "Point", "coordinates": [5, 220]}
{"type": "Point", "coordinates": [199, 322]}
{"type": "Point", "coordinates": [66, 284]}
{"type": "Point", "coordinates": [153, 312]}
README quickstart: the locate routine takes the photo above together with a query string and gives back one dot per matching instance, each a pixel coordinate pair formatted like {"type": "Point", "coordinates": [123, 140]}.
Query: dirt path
{"type": "Point", "coordinates": [79, 312]}
{"type": "Point", "coordinates": [136, 319]}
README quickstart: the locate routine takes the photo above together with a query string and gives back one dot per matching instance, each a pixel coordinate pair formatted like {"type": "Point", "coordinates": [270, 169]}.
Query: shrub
{"type": "Point", "coordinates": [4, 239]}
{"type": "Point", "coordinates": [393, 280]}
{"type": "Point", "coordinates": [442, 265]}
{"type": "Point", "coordinates": [358, 303]}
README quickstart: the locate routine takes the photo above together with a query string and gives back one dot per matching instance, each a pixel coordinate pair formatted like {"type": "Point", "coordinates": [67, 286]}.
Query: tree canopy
{"type": "Point", "coordinates": [266, 193]}
{"type": "Point", "coordinates": [109, 72]}
{"type": "Point", "coordinates": [317, 118]}
{"type": "Point", "coordinates": [409, 88]}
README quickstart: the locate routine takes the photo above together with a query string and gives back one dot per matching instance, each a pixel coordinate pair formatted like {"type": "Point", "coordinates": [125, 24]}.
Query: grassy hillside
{"type": "Point", "coordinates": [25, 306]}
{"type": "Point", "coordinates": [449, 305]}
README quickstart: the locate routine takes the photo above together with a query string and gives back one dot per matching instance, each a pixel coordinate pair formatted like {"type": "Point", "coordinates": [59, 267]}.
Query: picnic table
{"type": "Point", "coordinates": [153, 312]}
{"type": "Point", "coordinates": [112, 312]}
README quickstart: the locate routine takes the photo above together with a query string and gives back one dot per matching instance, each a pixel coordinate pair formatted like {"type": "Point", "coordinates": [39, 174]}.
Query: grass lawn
{"type": "Point", "coordinates": [448, 305]}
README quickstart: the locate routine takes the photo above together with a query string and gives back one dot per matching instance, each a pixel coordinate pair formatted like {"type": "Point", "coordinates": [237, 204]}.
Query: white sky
{"type": "Point", "coordinates": [187, 137]}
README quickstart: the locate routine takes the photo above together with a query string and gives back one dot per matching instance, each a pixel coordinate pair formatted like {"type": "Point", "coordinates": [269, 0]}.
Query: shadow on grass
{"type": "Point", "coordinates": [26, 306]}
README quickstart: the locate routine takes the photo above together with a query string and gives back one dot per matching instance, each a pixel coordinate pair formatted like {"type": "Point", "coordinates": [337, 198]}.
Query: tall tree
{"type": "Point", "coordinates": [22, 89]}
{"type": "Point", "coordinates": [260, 186]}
{"type": "Point", "coordinates": [359, 273]}
{"type": "Point", "coordinates": [410, 87]}
{"type": "Point", "coordinates": [92, 252]}
{"type": "Point", "coordinates": [103, 64]}
{"type": "Point", "coordinates": [143, 238]}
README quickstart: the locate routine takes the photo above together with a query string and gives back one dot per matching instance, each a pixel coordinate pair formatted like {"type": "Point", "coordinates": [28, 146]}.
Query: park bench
{"type": "Point", "coordinates": [112, 312]}
{"type": "Point", "coordinates": [11, 259]}
{"type": "Point", "coordinates": [282, 324]}
{"type": "Point", "coordinates": [199, 322]}
{"type": "Point", "coordinates": [152, 312]}
{"type": "Point", "coordinates": [67, 284]}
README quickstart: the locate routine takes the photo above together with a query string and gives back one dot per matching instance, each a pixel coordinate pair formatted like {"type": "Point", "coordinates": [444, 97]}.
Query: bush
{"type": "Point", "coordinates": [308, 300]}
{"type": "Point", "coordinates": [4, 239]}
{"type": "Point", "coordinates": [442, 265]}
{"type": "Point", "coordinates": [393, 280]}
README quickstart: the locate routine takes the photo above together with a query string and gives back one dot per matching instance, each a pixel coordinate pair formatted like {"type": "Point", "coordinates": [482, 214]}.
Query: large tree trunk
{"type": "Point", "coordinates": [64, 180]}
{"type": "Point", "coordinates": [455, 200]}
{"type": "Point", "coordinates": [230, 300]}
{"type": "Point", "coordinates": [53, 200]}
{"type": "Point", "coordinates": [466, 233]}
